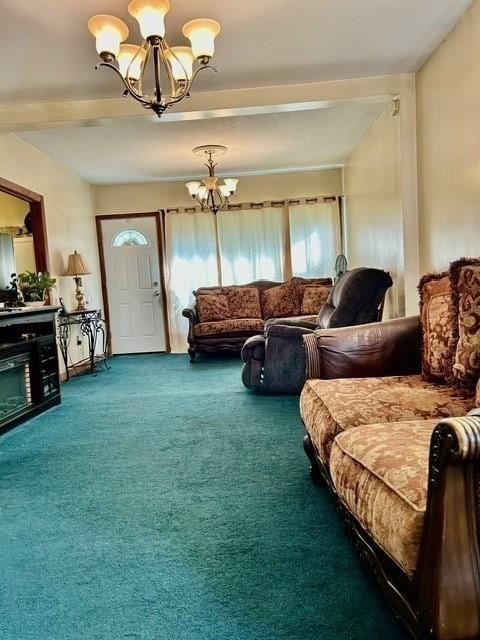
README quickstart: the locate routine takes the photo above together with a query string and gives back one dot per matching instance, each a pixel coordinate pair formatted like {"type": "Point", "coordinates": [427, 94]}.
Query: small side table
{"type": "Point", "coordinates": [93, 327]}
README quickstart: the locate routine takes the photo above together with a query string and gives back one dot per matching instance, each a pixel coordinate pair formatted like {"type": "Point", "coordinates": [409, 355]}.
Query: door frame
{"type": "Point", "coordinates": [161, 262]}
{"type": "Point", "coordinates": [39, 227]}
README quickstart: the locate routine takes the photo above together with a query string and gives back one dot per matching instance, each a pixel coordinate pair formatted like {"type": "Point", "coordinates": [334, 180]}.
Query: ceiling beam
{"type": "Point", "coordinates": [202, 105]}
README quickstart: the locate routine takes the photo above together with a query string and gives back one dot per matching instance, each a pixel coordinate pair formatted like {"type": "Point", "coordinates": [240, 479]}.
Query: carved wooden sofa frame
{"type": "Point", "coordinates": [441, 601]}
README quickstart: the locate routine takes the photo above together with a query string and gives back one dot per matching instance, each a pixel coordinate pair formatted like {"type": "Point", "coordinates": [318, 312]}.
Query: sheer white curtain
{"type": "Point", "coordinates": [191, 262]}
{"type": "Point", "coordinates": [252, 244]}
{"type": "Point", "coordinates": [315, 238]}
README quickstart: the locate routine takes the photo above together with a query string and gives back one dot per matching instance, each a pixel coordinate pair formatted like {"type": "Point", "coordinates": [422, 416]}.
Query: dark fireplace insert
{"type": "Point", "coordinates": [15, 385]}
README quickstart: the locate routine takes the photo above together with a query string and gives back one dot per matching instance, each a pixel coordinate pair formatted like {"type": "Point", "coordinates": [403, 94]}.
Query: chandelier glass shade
{"type": "Point", "coordinates": [154, 60]}
{"type": "Point", "coordinates": [208, 193]}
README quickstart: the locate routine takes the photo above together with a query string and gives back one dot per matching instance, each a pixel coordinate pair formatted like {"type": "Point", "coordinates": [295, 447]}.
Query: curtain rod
{"type": "Point", "coordinates": [249, 206]}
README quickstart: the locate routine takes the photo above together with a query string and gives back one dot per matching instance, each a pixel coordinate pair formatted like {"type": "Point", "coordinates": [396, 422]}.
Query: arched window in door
{"type": "Point", "coordinates": [130, 238]}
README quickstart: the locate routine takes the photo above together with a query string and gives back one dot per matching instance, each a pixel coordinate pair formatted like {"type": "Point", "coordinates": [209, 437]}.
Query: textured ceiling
{"type": "Point", "coordinates": [263, 42]}
{"type": "Point", "coordinates": [143, 150]}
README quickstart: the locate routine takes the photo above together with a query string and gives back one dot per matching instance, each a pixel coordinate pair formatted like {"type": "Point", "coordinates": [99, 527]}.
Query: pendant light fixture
{"type": "Point", "coordinates": [210, 195]}
{"type": "Point", "coordinates": [176, 66]}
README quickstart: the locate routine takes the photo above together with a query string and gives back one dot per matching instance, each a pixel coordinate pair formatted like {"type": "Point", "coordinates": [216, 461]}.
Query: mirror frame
{"type": "Point", "coordinates": [39, 228]}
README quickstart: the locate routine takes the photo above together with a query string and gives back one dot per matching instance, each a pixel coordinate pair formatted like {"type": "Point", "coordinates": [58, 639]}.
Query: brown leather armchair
{"type": "Point", "coordinates": [385, 348]}
{"type": "Point", "coordinates": [275, 362]}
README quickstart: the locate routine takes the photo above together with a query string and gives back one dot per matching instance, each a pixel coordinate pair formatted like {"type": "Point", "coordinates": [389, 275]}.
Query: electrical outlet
{"type": "Point", "coordinates": [79, 341]}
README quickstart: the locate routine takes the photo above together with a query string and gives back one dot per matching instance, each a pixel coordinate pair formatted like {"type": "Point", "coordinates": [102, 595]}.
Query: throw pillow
{"type": "Point", "coordinates": [465, 344]}
{"type": "Point", "coordinates": [437, 324]}
{"type": "Point", "coordinates": [244, 302]}
{"type": "Point", "coordinates": [212, 307]}
{"type": "Point", "coordinates": [314, 297]}
{"type": "Point", "coordinates": [281, 301]}
{"type": "Point", "coordinates": [301, 283]}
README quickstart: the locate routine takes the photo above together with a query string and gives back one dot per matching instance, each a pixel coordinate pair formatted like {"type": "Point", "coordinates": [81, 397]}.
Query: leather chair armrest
{"type": "Point", "coordinates": [378, 349]}
{"type": "Point", "coordinates": [191, 314]}
{"type": "Point", "coordinates": [253, 349]}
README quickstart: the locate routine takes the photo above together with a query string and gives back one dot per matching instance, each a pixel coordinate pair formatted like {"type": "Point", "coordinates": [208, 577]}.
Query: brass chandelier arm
{"type": "Point", "coordinates": [165, 47]}
{"type": "Point", "coordinates": [145, 101]}
{"type": "Point", "coordinates": [210, 203]}
{"type": "Point", "coordinates": [189, 84]}
{"type": "Point", "coordinates": [158, 105]}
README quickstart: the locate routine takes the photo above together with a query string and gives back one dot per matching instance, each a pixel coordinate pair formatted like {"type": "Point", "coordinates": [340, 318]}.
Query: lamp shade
{"type": "Point", "coordinates": [76, 265]}
{"type": "Point", "coordinates": [130, 60]}
{"type": "Point", "coordinates": [108, 32]}
{"type": "Point", "coordinates": [181, 62]}
{"type": "Point", "coordinates": [202, 33]}
{"type": "Point", "coordinates": [150, 15]}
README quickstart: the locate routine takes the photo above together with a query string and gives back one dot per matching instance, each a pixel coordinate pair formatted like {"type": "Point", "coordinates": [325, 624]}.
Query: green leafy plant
{"type": "Point", "coordinates": [34, 286]}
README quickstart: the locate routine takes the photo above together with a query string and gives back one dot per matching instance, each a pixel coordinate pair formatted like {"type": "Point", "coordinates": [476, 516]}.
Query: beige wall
{"type": "Point", "coordinates": [374, 230]}
{"type": "Point", "coordinates": [130, 198]}
{"type": "Point", "coordinates": [68, 211]}
{"type": "Point", "coordinates": [448, 108]}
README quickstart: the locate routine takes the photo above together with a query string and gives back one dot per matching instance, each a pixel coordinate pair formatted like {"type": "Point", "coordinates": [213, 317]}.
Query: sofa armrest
{"type": "Point", "coordinates": [378, 349]}
{"type": "Point", "coordinates": [449, 558]}
{"type": "Point", "coordinates": [191, 314]}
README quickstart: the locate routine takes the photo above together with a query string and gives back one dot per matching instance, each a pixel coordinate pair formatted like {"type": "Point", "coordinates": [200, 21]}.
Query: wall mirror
{"type": "Point", "coordinates": [23, 241]}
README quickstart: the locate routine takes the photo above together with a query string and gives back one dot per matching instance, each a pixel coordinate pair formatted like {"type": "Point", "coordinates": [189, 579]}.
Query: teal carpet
{"type": "Point", "coordinates": [163, 501]}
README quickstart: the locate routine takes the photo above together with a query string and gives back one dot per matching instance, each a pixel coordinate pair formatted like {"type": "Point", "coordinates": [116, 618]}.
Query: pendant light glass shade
{"type": "Point", "coordinates": [130, 60]}
{"type": "Point", "coordinates": [224, 190]}
{"type": "Point", "coordinates": [108, 32]}
{"type": "Point", "coordinates": [231, 183]}
{"type": "Point", "coordinates": [202, 193]}
{"type": "Point", "coordinates": [181, 61]}
{"type": "Point", "coordinates": [150, 15]}
{"type": "Point", "coordinates": [193, 188]}
{"type": "Point", "coordinates": [202, 33]}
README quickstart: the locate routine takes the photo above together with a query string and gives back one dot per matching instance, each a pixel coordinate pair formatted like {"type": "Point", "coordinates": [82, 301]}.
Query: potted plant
{"type": "Point", "coordinates": [35, 287]}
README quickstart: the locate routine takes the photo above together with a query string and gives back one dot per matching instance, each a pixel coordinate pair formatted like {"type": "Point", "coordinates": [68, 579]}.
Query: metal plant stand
{"type": "Point", "coordinates": [93, 328]}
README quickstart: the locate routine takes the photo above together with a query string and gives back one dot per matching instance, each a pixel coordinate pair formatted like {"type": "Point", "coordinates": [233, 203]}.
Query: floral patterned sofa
{"type": "Point", "coordinates": [222, 318]}
{"type": "Point", "coordinates": [400, 452]}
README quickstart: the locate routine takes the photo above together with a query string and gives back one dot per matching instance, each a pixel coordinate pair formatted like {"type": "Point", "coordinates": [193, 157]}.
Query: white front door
{"type": "Point", "coordinates": [135, 301]}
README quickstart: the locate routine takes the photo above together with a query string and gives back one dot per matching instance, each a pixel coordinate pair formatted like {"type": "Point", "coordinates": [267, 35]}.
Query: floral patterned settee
{"type": "Point", "coordinates": [402, 452]}
{"type": "Point", "coordinates": [224, 317]}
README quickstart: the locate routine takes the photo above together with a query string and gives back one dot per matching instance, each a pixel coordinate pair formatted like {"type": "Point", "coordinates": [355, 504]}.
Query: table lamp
{"type": "Point", "coordinates": [76, 268]}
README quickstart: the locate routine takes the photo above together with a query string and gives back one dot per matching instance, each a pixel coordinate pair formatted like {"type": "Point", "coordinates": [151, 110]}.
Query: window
{"type": "Point", "coordinates": [130, 238]}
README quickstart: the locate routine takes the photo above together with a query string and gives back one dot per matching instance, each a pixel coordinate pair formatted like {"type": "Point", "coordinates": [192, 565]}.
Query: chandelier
{"type": "Point", "coordinates": [210, 195]}
{"type": "Point", "coordinates": [173, 64]}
